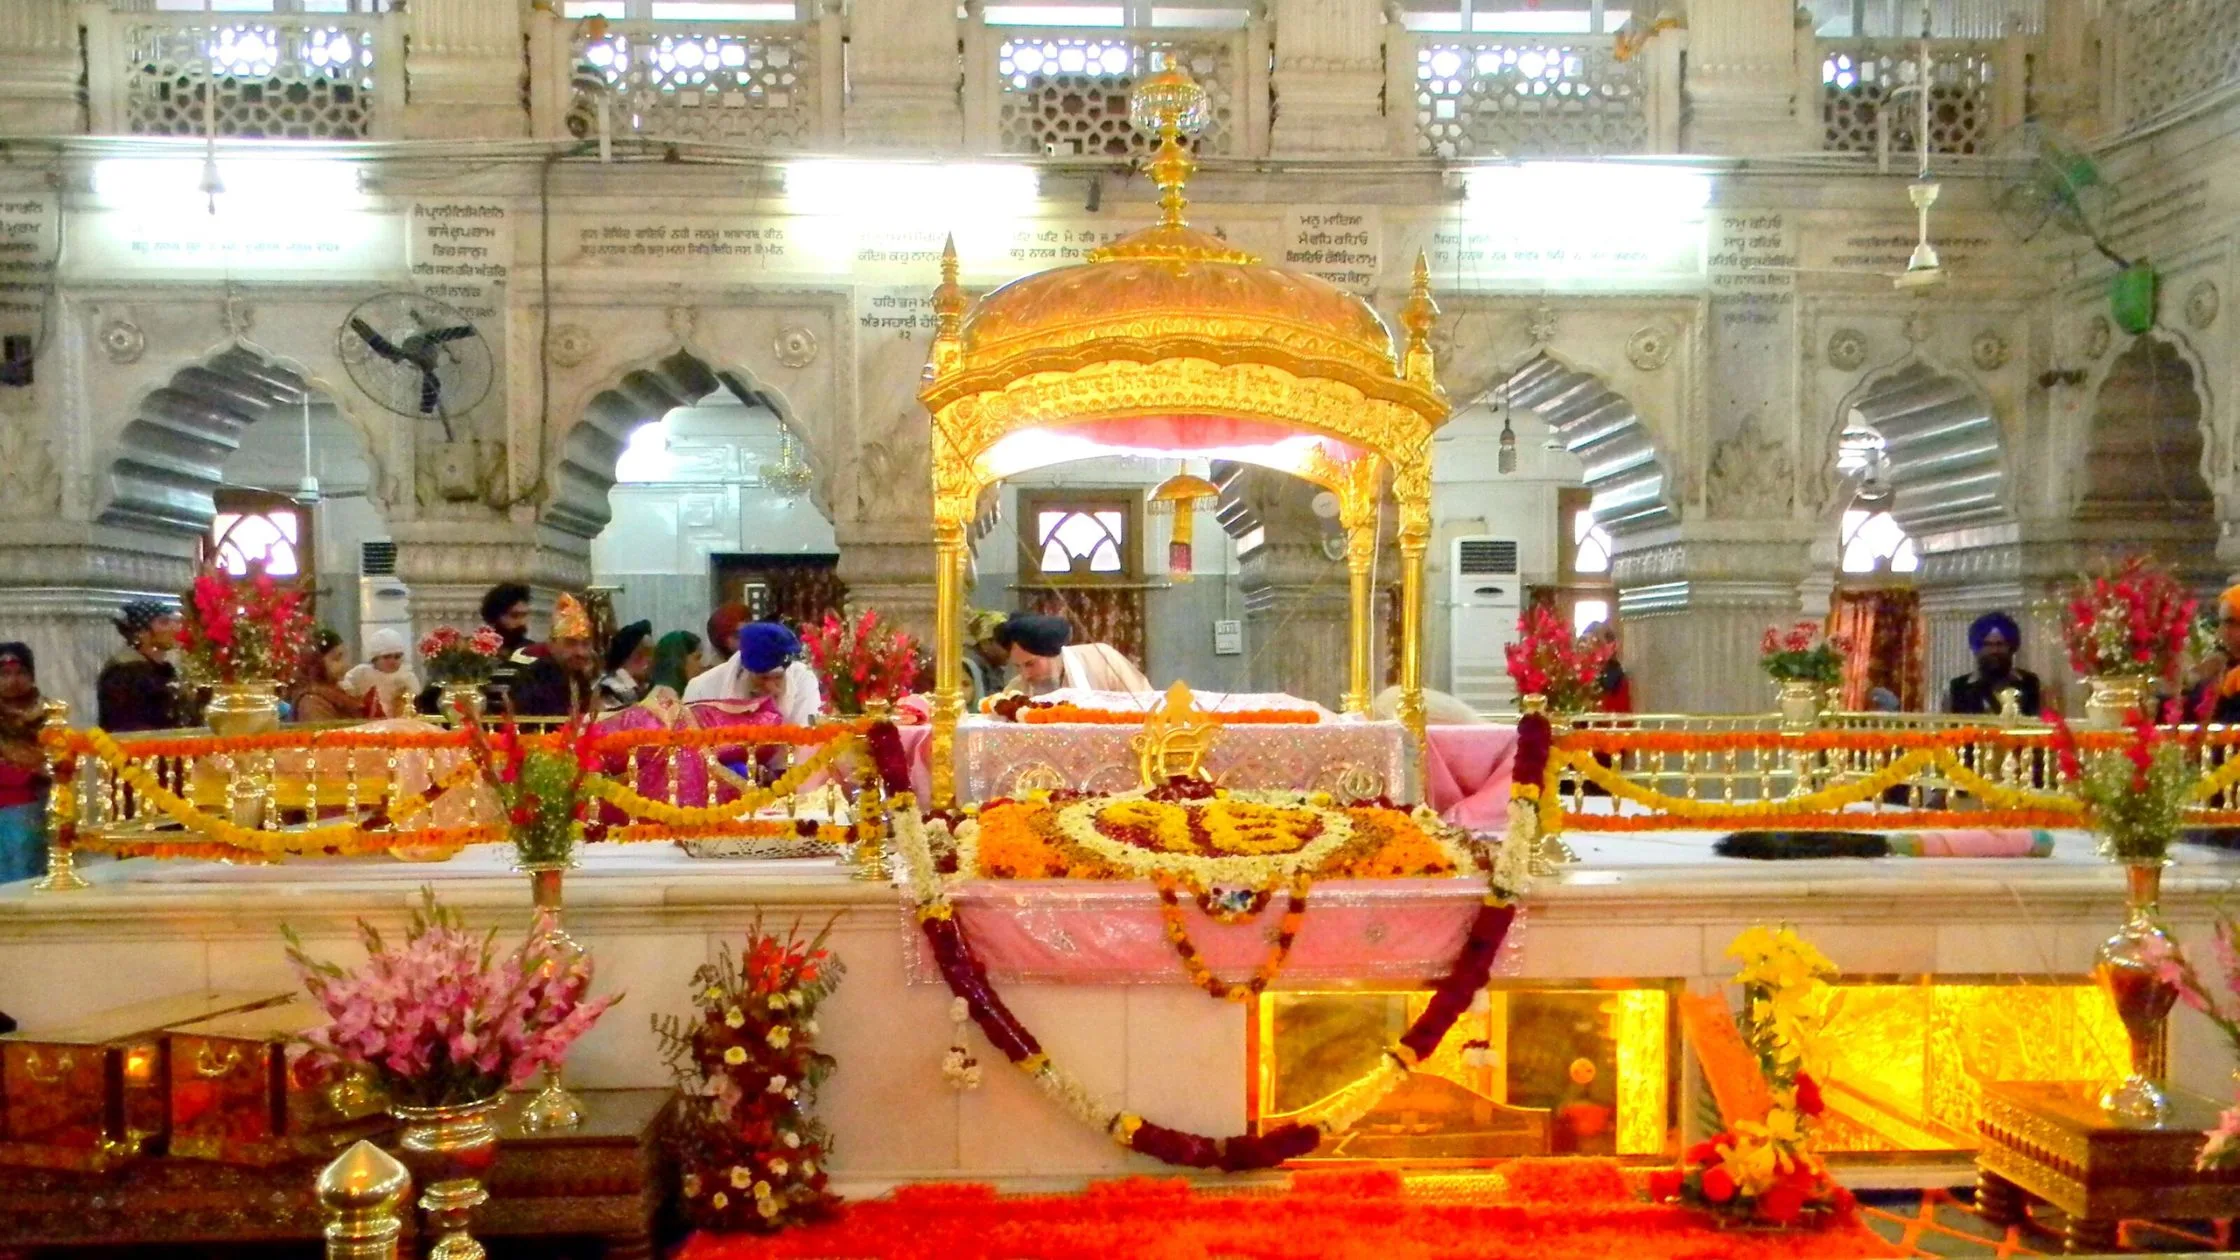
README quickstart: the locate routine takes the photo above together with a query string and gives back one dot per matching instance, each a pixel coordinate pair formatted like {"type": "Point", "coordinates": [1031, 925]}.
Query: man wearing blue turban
{"type": "Point", "coordinates": [1986, 692]}
{"type": "Point", "coordinates": [767, 667]}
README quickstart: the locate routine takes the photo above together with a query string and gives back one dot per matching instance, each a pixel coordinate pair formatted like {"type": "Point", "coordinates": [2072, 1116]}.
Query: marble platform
{"type": "Point", "coordinates": [1634, 906]}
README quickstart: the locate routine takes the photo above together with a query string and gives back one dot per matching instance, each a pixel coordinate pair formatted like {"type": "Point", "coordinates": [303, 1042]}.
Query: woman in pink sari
{"type": "Point", "coordinates": [681, 775]}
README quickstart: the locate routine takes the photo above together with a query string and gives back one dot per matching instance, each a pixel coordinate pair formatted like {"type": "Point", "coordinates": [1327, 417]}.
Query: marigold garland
{"type": "Point", "coordinates": [1287, 934]}
{"type": "Point", "coordinates": [629, 800]}
{"type": "Point", "coordinates": [731, 736]}
{"type": "Point", "coordinates": [1056, 714]}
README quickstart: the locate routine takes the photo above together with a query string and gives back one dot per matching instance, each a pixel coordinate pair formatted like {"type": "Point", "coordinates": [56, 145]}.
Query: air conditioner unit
{"type": "Point", "coordinates": [384, 603]}
{"type": "Point", "coordinates": [1485, 597]}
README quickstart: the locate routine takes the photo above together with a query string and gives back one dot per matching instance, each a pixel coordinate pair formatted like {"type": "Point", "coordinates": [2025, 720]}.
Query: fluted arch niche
{"type": "Point", "coordinates": [2143, 447]}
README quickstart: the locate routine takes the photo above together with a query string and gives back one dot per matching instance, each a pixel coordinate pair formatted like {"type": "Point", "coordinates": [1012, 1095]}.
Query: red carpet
{"type": "Point", "coordinates": [1528, 1210]}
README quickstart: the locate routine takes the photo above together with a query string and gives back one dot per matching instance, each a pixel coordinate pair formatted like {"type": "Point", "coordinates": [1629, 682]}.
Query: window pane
{"type": "Point", "coordinates": [1055, 15]}
{"type": "Point", "coordinates": [1587, 612]}
{"type": "Point", "coordinates": [615, 9]}
{"type": "Point", "coordinates": [1055, 559]}
{"type": "Point", "coordinates": [1593, 553]}
{"type": "Point", "coordinates": [723, 11]}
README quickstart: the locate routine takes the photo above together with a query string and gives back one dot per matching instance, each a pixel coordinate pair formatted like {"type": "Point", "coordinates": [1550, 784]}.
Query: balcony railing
{"type": "Point", "coordinates": [1857, 77]}
{"type": "Point", "coordinates": [277, 76]}
{"type": "Point", "coordinates": [1528, 96]}
{"type": "Point", "coordinates": [1064, 92]}
{"type": "Point", "coordinates": [770, 85]}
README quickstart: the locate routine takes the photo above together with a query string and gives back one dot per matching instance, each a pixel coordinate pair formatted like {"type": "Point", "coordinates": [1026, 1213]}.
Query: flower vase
{"type": "Point", "coordinates": [553, 1107]}
{"type": "Point", "coordinates": [1799, 701]}
{"type": "Point", "coordinates": [2111, 699]}
{"type": "Point", "coordinates": [2126, 967]}
{"type": "Point", "coordinates": [238, 709]}
{"type": "Point", "coordinates": [455, 698]}
{"type": "Point", "coordinates": [455, 1146]}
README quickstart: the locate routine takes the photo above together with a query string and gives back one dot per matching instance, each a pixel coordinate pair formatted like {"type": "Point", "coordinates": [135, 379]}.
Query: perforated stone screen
{"type": "Point", "coordinates": [1529, 97]}
{"type": "Point", "coordinates": [748, 85]}
{"type": "Point", "coordinates": [2174, 50]}
{"type": "Point", "coordinates": [1067, 92]}
{"type": "Point", "coordinates": [308, 79]}
{"type": "Point", "coordinates": [1857, 77]}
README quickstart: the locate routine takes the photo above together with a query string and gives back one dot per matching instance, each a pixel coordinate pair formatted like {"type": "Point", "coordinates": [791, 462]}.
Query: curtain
{"type": "Point", "coordinates": [1099, 614]}
{"type": "Point", "coordinates": [1884, 630]}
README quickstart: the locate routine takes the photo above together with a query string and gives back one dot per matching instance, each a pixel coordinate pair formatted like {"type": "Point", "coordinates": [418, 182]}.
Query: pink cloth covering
{"type": "Point", "coordinates": [1467, 779]}
{"type": "Point", "coordinates": [1080, 932]}
{"type": "Point", "coordinates": [680, 775]}
{"type": "Point", "coordinates": [1977, 843]}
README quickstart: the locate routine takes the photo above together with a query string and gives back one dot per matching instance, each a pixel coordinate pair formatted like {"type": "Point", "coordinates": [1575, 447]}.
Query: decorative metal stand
{"type": "Point", "coordinates": [553, 1107]}
{"type": "Point", "coordinates": [461, 1142]}
{"type": "Point", "coordinates": [2126, 968]}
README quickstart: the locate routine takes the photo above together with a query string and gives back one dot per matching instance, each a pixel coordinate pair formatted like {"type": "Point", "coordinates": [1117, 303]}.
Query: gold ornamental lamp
{"type": "Point", "coordinates": [1171, 342]}
{"type": "Point", "coordinates": [1181, 496]}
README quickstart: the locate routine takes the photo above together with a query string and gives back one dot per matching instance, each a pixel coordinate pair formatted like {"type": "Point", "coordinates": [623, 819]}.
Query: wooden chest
{"type": "Point", "coordinates": [92, 1094]}
{"type": "Point", "coordinates": [246, 1090]}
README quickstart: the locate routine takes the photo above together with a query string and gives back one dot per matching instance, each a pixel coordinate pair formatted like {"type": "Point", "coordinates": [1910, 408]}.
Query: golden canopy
{"type": "Point", "coordinates": [1172, 340]}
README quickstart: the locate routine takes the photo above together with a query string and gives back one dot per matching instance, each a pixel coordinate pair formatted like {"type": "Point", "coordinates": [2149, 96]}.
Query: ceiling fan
{"type": "Point", "coordinates": [1923, 268]}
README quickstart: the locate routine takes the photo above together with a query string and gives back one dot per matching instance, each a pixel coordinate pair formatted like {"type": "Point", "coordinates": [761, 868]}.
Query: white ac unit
{"type": "Point", "coordinates": [1485, 597]}
{"type": "Point", "coordinates": [384, 602]}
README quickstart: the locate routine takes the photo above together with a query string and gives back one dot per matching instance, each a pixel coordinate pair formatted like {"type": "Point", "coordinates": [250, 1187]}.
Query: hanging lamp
{"type": "Point", "coordinates": [1182, 495]}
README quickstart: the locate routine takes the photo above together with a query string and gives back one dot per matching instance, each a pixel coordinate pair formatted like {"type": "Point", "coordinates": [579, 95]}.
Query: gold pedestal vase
{"type": "Point", "coordinates": [455, 1146]}
{"type": "Point", "coordinates": [553, 1107]}
{"type": "Point", "coordinates": [2111, 699]}
{"type": "Point", "coordinates": [245, 708]}
{"type": "Point", "coordinates": [2125, 966]}
{"type": "Point", "coordinates": [1799, 701]}
{"type": "Point", "coordinates": [453, 697]}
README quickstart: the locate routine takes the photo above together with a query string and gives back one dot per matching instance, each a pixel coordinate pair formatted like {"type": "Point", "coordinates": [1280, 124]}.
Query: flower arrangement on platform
{"type": "Point", "coordinates": [1546, 659]}
{"type": "Point", "coordinates": [1803, 653]}
{"type": "Point", "coordinates": [2133, 623]}
{"type": "Point", "coordinates": [2134, 796]}
{"type": "Point", "coordinates": [443, 1018]}
{"type": "Point", "coordinates": [860, 660]}
{"type": "Point", "coordinates": [452, 658]}
{"type": "Point", "coordinates": [541, 784]}
{"type": "Point", "coordinates": [1759, 1169]}
{"type": "Point", "coordinates": [951, 951]}
{"type": "Point", "coordinates": [750, 1154]}
{"type": "Point", "coordinates": [2175, 969]}
{"type": "Point", "coordinates": [243, 629]}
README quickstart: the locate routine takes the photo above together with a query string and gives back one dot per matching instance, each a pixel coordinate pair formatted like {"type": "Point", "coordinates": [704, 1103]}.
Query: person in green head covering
{"type": "Point", "coordinates": [676, 660]}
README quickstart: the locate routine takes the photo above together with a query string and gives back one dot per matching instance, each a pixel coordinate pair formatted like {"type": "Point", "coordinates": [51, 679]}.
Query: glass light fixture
{"type": "Point", "coordinates": [1506, 459]}
{"type": "Point", "coordinates": [788, 477]}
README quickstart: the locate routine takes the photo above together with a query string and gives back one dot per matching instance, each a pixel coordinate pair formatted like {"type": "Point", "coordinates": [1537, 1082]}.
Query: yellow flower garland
{"type": "Point", "coordinates": [630, 801]}
{"type": "Point", "coordinates": [344, 838]}
{"type": "Point", "coordinates": [1825, 800]}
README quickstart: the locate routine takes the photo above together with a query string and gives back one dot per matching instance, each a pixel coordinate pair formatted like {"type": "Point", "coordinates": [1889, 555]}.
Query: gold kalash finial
{"type": "Point", "coordinates": [1170, 105]}
{"type": "Point", "coordinates": [1175, 740]}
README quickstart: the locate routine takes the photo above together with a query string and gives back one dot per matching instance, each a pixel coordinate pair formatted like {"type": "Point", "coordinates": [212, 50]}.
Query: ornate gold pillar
{"type": "Point", "coordinates": [1411, 489]}
{"type": "Point", "coordinates": [1358, 512]}
{"type": "Point", "coordinates": [948, 656]}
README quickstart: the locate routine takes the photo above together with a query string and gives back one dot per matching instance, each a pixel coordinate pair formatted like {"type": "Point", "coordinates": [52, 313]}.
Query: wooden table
{"type": "Point", "coordinates": [2051, 1141]}
{"type": "Point", "coordinates": [605, 1180]}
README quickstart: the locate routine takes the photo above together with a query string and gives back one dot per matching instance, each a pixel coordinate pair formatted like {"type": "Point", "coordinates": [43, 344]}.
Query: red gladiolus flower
{"type": "Point", "coordinates": [1702, 1153]}
{"type": "Point", "coordinates": [1809, 1101]}
{"type": "Point", "coordinates": [1781, 1205]}
{"type": "Point", "coordinates": [1718, 1184]}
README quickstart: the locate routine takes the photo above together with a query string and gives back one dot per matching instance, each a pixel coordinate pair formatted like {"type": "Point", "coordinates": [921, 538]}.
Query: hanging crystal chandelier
{"type": "Point", "coordinates": [789, 477]}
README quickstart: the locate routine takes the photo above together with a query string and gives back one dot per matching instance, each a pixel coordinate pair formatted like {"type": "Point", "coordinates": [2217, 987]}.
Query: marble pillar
{"type": "Point", "coordinates": [1296, 608]}
{"type": "Point", "coordinates": [1329, 77]}
{"type": "Point", "coordinates": [890, 567]}
{"type": "Point", "coordinates": [1743, 84]}
{"type": "Point", "coordinates": [1693, 606]}
{"type": "Point", "coordinates": [465, 71]}
{"type": "Point", "coordinates": [448, 563]}
{"type": "Point", "coordinates": [39, 69]}
{"type": "Point", "coordinates": [61, 584]}
{"type": "Point", "coordinates": [904, 81]}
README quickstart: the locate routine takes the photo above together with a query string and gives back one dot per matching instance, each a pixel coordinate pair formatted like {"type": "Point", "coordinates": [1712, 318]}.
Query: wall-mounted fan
{"type": "Point", "coordinates": [2059, 188]}
{"type": "Point", "coordinates": [416, 356]}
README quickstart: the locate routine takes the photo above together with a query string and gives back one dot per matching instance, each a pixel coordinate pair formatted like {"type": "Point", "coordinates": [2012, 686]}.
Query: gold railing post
{"type": "Point", "coordinates": [948, 657]}
{"type": "Point", "coordinates": [1360, 510]}
{"type": "Point", "coordinates": [360, 1191]}
{"type": "Point", "coordinates": [62, 811]}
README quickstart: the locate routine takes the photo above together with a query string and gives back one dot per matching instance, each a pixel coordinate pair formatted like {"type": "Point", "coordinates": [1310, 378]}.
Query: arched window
{"type": "Point", "coordinates": [268, 535]}
{"type": "Point", "coordinates": [1874, 542]}
{"type": "Point", "coordinates": [1593, 545]}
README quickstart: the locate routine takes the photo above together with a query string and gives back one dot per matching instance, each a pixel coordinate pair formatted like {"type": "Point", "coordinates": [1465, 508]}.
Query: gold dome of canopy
{"type": "Point", "coordinates": [1171, 292]}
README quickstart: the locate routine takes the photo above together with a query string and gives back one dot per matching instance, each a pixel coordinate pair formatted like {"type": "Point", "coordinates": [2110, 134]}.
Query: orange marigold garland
{"type": "Point", "coordinates": [1287, 934]}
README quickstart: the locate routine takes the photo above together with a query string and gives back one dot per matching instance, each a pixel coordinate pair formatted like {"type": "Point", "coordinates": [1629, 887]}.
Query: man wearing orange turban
{"type": "Point", "coordinates": [2219, 688]}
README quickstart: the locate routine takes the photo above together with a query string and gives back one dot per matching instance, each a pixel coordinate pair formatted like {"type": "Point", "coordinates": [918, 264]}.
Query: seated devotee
{"type": "Point", "coordinates": [767, 670]}
{"type": "Point", "coordinates": [318, 694]}
{"type": "Point", "coordinates": [138, 689]}
{"type": "Point", "coordinates": [505, 609]}
{"type": "Point", "coordinates": [984, 656]}
{"type": "Point", "coordinates": [23, 768]}
{"type": "Point", "coordinates": [676, 661]}
{"type": "Point", "coordinates": [1613, 682]}
{"type": "Point", "coordinates": [1994, 638]}
{"type": "Point", "coordinates": [723, 629]}
{"type": "Point", "coordinates": [629, 666]}
{"type": "Point", "coordinates": [1045, 659]}
{"type": "Point", "coordinates": [2216, 697]}
{"type": "Point", "coordinates": [384, 684]}
{"type": "Point", "coordinates": [561, 681]}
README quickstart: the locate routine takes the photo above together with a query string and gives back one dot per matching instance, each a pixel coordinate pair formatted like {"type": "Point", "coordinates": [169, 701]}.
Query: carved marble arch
{"type": "Point", "coordinates": [2146, 444]}
{"type": "Point", "coordinates": [1632, 484]}
{"type": "Point", "coordinates": [1923, 444]}
{"type": "Point", "coordinates": [171, 455]}
{"type": "Point", "coordinates": [641, 395]}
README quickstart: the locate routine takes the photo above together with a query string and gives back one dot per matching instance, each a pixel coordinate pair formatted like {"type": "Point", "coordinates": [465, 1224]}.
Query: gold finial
{"type": "Point", "coordinates": [948, 300]}
{"type": "Point", "coordinates": [1171, 106]}
{"type": "Point", "coordinates": [360, 1191]}
{"type": "Point", "coordinates": [1418, 316]}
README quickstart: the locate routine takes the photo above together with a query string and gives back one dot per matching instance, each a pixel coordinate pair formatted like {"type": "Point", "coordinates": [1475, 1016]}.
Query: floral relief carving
{"type": "Point", "coordinates": [795, 346]}
{"type": "Point", "coordinates": [571, 345]}
{"type": "Point", "coordinates": [1988, 351]}
{"type": "Point", "coordinates": [2201, 304]}
{"type": "Point", "coordinates": [29, 484]}
{"type": "Point", "coordinates": [1847, 349]}
{"type": "Point", "coordinates": [1750, 475]}
{"type": "Point", "coordinates": [1648, 348]}
{"type": "Point", "coordinates": [2099, 334]}
{"type": "Point", "coordinates": [123, 341]}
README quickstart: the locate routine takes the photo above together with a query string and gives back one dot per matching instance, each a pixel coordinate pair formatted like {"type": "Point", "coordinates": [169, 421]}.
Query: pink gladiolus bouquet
{"type": "Point", "coordinates": [1546, 659]}
{"type": "Point", "coordinates": [2222, 1149]}
{"type": "Point", "coordinates": [1802, 653]}
{"type": "Point", "coordinates": [2135, 623]}
{"type": "Point", "coordinates": [452, 657]}
{"type": "Point", "coordinates": [860, 660]}
{"type": "Point", "coordinates": [443, 1019]}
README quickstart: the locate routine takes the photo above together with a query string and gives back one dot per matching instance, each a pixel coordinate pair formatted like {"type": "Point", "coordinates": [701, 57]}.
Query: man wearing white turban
{"type": "Point", "coordinates": [385, 674]}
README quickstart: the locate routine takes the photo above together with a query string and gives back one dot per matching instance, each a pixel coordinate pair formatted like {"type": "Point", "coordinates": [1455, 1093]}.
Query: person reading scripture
{"type": "Point", "coordinates": [1046, 659]}
{"type": "Point", "coordinates": [768, 669]}
{"type": "Point", "coordinates": [1994, 638]}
